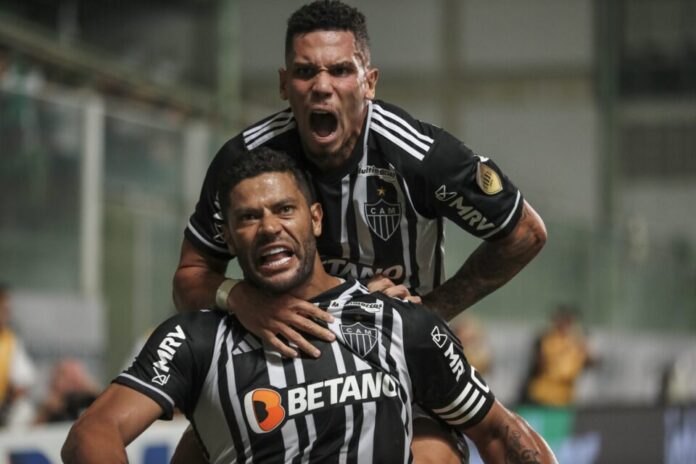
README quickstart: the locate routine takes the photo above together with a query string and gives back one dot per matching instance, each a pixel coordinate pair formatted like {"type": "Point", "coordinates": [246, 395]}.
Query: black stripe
{"type": "Point", "coordinates": [225, 395]}
{"type": "Point", "coordinates": [300, 422]}
{"type": "Point", "coordinates": [352, 230]}
{"type": "Point", "coordinates": [412, 221]}
{"type": "Point", "coordinates": [437, 272]}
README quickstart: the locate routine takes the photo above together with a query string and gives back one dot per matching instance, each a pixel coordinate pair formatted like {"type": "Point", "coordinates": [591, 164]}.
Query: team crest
{"type": "Point", "coordinates": [359, 338]}
{"type": "Point", "coordinates": [383, 218]}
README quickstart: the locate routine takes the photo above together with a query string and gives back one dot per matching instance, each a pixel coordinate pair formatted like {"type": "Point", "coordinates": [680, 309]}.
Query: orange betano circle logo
{"type": "Point", "coordinates": [264, 410]}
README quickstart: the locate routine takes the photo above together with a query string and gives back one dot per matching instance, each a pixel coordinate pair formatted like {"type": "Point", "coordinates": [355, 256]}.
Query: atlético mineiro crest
{"type": "Point", "coordinates": [383, 218]}
{"type": "Point", "coordinates": [359, 338]}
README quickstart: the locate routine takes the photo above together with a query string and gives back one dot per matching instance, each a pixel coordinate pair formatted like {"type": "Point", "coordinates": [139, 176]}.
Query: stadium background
{"type": "Point", "coordinates": [111, 110]}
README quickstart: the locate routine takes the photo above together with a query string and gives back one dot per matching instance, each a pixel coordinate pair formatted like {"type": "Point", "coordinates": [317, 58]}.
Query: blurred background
{"type": "Point", "coordinates": [111, 110]}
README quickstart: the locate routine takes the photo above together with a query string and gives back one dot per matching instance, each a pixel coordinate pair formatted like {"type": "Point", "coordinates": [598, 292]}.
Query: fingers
{"type": "Point", "coordinates": [278, 345]}
{"type": "Point", "coordinates": [379, 283]}
{"type": "Point", "coordinates": [414, 299]}
{"type": "Point", "coordinates": [397, 291]}
{"type": "Point", "coordinates": [294, 337]}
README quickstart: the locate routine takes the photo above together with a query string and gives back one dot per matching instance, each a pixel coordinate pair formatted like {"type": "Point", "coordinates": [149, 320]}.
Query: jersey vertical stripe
{"type": "Point", "coordinates": [226, 388]}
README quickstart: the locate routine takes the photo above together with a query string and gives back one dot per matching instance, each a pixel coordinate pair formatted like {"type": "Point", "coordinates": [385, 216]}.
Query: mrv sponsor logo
{"type": "Point", "coordinates": [165, 353]}
{"type": "Point", "coordinates": [267, 408]}
{"type": "Point", "coordinates": [467, 212]}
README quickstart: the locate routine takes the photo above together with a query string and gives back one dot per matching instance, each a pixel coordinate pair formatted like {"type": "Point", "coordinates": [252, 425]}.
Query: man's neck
{"type": "Point", "coordinates": [319, 283]}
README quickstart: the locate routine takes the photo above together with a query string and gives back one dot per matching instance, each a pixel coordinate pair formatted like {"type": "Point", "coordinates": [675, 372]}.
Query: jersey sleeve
{"type": "Point", "coordinates": [443, 381]}
{"type": "Point", "coordinates": [172, 366]}
{"type": "Point", "coordinates": [470, 190]}
{"type": "Point", "coordinates": [204, 229]}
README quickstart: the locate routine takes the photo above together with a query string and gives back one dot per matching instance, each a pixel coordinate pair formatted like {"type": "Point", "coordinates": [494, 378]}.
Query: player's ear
{"type": "Point", "coordinates": [283, 82]}
{"type": "Point", "coordinates": [317, 213]}
{"type": "Point", "coordinates": [371, 78]}
{"type": "Point", "coordinates": [228, 239]}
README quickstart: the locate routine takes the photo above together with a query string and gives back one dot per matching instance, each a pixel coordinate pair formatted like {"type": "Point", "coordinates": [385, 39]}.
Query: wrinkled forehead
{"type": "Point", "coordinates": [264, 189]}
{"type": "Point", "coordinates": [339, 44]}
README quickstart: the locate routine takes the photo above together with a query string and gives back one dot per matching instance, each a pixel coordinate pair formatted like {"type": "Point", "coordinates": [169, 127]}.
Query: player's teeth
{"type": "Point", "coordinates": [274, 251]}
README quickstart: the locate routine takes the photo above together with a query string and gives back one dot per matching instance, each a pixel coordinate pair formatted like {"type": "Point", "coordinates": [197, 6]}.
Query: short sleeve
{"type": "Point", "coordinates": [470, 190]}
{"type": "Point", "coordinates": [443, 381]}
{"type": "Point", "coordinates": [204, 229]}
{"type": "Point", "coordinates": [173, 364]}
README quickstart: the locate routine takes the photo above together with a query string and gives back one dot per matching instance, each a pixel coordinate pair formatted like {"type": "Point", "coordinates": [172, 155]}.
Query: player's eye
{"type": "Point", "coordinates": [304, 72]}
{"type": "Point", "coordinates": [287, 209]}
{"type": "Point", "coordinates": [341, 70]}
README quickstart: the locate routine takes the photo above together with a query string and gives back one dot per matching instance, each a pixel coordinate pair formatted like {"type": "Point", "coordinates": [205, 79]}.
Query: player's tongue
{"type": "Point", "coordinates": [323, 124]}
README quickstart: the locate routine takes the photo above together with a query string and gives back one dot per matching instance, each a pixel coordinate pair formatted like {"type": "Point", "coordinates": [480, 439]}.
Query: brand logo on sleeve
{"type": "Point", "coordinates": [468, 213]}
{"type": "Point", "coordinates": [165, 352]}
{"type": "Point", "coordinates": [438, 337]}
{"type": "Point", "coordinates": [488, 179]}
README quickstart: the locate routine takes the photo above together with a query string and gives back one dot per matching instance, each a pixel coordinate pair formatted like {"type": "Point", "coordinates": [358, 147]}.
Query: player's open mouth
{"type": "Point", "coordinates": [323, 123]}
{"type": "Point", "coordinates": [275, 258]}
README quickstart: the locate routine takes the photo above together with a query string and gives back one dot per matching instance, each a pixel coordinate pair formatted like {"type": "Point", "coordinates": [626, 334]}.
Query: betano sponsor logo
{"type": "Point", "coordinates": [165, 353]}
{"type": "Point", "coordinates": [341, 267]}
{"type": "Point", "coordinates": [268, 408]}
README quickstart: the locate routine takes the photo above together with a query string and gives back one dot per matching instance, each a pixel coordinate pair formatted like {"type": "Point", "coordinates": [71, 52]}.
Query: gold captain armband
{"type": "Point", "coordinates": [223, 291]}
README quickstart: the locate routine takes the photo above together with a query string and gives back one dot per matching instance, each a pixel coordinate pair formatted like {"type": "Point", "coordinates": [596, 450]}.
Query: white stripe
{"type": "Point", "coordinates": [402, 133]}
{"type": "Point", "coordinates": [345, 203]}
{"type": "Point", "coordinates": [502, 226]}
{"type": "Point", "coordinates": [456, 402]}
{"type": "Point", "coordinates": [147, 385]}
{"type": "Point", "coordinates": [237, 405]}
{"type": "Point", "coordinates": [463, 408]}
{"type": "Point", "coordinates": [365, 247]}
{"type": "Point", "coordinates": [205, 241]}
{"type": "Point", "coordinates": [208, 416]}
{"type": "Point", "coordinates": [252, 130]}
{"type": "Point", "coordinates": [276, 376]}
{"type": "Point", "coordinates": [270, 135]}
{"type": "Point", "coordinates": [401, 121]}
{"type": "Point", "coordinates": [269, 128]}
{"type": "Point", "coordinates": [405, 238]}
{"type": "Point", "coordinates": [341, 368]}
{"type": "Point", "coordinates": [473, 412]}
{"type": "Point", "coordinates": [397, 141]}
{"type": "Point", "coordinates": [309, 419]}
{"type": "Point", "coordinates": [397, 352]}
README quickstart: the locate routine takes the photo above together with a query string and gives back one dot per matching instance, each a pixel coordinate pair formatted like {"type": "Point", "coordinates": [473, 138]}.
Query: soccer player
{"type": "Point", "coordinates": [249, 404]}
{"type": "Point", "coordinates": [386, 182]}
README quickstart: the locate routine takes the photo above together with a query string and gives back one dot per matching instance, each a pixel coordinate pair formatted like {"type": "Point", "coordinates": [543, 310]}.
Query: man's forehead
{"type": "Point", "coordinates": [307, 44]}
{"type": "Point", "coordinates": [267, 185]}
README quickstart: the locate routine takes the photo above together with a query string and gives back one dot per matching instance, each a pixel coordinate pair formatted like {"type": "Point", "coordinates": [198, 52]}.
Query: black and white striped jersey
{"type": "Point", "coordinates": [384, 209]}
{"type": "Point", "coordinates": [351, 405]}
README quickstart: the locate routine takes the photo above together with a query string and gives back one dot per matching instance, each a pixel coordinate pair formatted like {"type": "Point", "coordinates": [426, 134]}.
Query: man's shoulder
{"type": "Point", "coordinates": [401, 137]}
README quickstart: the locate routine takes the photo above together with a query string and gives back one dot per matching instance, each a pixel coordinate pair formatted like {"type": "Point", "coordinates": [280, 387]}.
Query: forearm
{"type": "Point", "coordinates": [512, 440]}
{"type": "Point", "coordinates": [489, 267]}
{"type": "Point", "coordinates": [194, 288]}
{"type": "Point", "coordinates": [95, 444]}
{"type": "Point", "coordinates": [196, 279]}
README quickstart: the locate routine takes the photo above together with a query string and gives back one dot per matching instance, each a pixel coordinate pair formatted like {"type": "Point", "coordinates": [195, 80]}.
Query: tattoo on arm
{"type": "Point", "coordinates": [516, 451]}
{"type": "Point", "coordinates": [490, 266]}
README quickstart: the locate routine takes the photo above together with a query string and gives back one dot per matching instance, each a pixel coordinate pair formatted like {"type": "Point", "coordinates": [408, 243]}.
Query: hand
{"type": "Point", "coordinates": [269, 317]}
{"type": "Point", "coordinates": [380, 283]}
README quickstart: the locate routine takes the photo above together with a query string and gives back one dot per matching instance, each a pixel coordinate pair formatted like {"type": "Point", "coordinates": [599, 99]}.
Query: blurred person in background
{"type": "Point", "coordinates": [470, 332]}
{"type": "Point", "coordinates": [17, 371]}
{"type": "Point", "coordinates": [386, 181]}
{"type": "Point", "coordinates": [559, 356]}
{"type": "Point", "coordinates": [71, 390]}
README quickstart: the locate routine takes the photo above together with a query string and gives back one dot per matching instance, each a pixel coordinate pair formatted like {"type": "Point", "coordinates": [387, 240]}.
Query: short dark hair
{"type": "Point", "coordinates": [252, 163]}
{"type": "Point", "coordinates": [329, 15]}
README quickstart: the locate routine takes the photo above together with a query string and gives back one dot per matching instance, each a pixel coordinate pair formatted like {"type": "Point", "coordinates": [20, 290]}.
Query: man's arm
{"type": "Point", "coordinates": [115, 419]}
{"type": "Point", "coordinates": [503, 436]}
{"type": "Point", "coordinates": [196, 281]}
{"type": "Point", "coordinates": [490, 266]}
